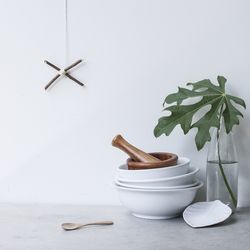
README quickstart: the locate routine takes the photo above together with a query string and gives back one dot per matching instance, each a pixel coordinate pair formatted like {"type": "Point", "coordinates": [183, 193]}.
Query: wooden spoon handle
{"type": "Point", "coordinates": [135, 153]}
{"type": "Point", "coordinates": [100, 223]}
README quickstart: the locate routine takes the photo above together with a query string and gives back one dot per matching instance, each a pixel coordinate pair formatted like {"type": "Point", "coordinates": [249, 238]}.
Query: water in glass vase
{"type": "Point", "coordinates": [222, 168]}
{"type": "Point", "coordinates": [217, 189]}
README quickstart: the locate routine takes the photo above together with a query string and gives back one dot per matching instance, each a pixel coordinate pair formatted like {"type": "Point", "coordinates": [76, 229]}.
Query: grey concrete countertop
{"type": "Point", "coordinates": [37, 227]}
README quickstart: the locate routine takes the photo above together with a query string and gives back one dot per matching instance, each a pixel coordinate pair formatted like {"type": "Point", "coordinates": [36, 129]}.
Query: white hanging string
{"type": "Point", "coordinates": [66, 35]}
{"type": "Point", "coordinates": [67, 67]}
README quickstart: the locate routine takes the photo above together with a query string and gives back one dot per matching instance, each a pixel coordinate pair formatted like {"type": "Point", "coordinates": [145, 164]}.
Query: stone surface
{"type": "Point", "coordinates": [35, 227]}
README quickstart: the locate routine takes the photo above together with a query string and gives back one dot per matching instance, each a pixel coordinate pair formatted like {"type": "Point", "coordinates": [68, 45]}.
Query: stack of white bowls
{"type": "Point", "coordinates": [158, 193]}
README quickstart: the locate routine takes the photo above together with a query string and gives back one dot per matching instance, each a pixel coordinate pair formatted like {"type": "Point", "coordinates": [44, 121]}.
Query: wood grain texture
{"type": "Point", "coordinates": [165, 159]}
{"type": "Point", "coordinates": [135, 153]}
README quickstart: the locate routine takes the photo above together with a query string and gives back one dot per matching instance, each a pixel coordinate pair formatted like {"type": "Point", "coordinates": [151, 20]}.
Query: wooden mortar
{"type": "Point", "coordinates": [142, 160]}
{"type": "Point", "coordinates": [166, 160]}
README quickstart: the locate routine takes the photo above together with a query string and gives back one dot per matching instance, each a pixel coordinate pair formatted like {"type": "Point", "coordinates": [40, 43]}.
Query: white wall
{"type": "Point", "coordinates": [55, 146]}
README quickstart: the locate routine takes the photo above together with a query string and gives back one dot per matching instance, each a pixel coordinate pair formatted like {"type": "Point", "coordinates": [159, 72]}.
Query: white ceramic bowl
{"type": "Point", "coordinates": [180, 180]}
{"type": "Point", "coordinates": [157, 204]}
{"type": "Point", "coordinates": [195, 183]}
{"type": "Point", "coordinates": [143, 174]}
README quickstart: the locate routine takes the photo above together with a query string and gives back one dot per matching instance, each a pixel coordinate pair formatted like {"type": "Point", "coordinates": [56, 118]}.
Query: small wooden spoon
{"type": "Point", "coordinates": [74, 226]}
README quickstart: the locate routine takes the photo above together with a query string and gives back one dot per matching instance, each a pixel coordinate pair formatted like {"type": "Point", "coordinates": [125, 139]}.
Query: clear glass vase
{"type": "Point", "coordinates": [222, 168]}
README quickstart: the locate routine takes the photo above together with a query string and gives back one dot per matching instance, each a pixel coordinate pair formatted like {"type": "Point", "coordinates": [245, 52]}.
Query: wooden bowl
{"type": "Point", "coordinates": [167, 159]}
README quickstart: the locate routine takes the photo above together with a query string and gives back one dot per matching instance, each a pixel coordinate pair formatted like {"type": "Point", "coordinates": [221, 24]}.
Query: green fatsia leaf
{"type": "Point", "coordinates": [178, 97]}
{"type": "Point", "coordinates": [183, 115]}
{"type": "Point", "coordinates": [237, 100]}
{"type": "Point", "coordinates": [222, 81]}
{"type": "Point", "coordinates": [210, 119]}
{"type": "Point", "coordinates": [204, 87]}
{"type": "Point", "coordinates": [230, 114]}
{"type": "Point", "coordinates": [206, 84]}
{"type": "Point", "coordinates": [211, 95]}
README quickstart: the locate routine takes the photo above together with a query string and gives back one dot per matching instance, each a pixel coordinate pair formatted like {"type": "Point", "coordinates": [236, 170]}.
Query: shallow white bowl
{"type": "Point", "coordinates": [180, 180]}
{"type": "Point", "coordinates": [195, 183]}
{"type": "Point", "coordinates": [179, 169]}
{"type": "Point", "coordinates": [203, 214]}
{"type": "Point", "coordinates": [157, 204]}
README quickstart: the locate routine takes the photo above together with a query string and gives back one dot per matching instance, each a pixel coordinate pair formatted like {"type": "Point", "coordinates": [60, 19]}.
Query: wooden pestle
{"type": "Point", "coordinates": [135, 153]}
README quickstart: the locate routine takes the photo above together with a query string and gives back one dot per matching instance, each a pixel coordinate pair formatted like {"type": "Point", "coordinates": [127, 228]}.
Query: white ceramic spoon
{"type": "Point", "coordinates": [203, 214]}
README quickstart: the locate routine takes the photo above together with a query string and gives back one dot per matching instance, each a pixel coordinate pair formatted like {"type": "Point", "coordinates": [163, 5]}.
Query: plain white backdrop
{"type": "Point", "coordinates": [56, 146]}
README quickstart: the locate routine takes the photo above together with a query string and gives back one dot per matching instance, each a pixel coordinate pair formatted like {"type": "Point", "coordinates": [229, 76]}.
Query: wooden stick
{"type": "Point", "coordinates": [51, 81]}
{"type": "Point", "coordinates": [73, 65]}
{"type": "Point", "coordinates": [52, 65]}
{"type": "Point", "coordinates": [74, 79]}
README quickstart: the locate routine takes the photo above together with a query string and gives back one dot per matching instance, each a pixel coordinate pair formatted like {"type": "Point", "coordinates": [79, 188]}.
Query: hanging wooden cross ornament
{"type": "Point", "coordinates": [63, 72]}
{"type": "Point", "coordinates": [66, 71]}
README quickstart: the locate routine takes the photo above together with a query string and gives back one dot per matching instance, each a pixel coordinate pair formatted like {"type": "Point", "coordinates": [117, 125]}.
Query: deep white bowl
{"type": "Point", "coordinates": [179, 180]}
{"type": "Point", "coordinates": [195, 183]}
{"type": "Point", "coordinates": [157, 204]}
{"type": "Point", "coordinates": [143, 174]}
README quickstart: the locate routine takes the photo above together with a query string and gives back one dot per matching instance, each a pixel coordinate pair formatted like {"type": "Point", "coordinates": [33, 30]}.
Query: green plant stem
{"type": "Point", "coordinates": [234, 200]}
